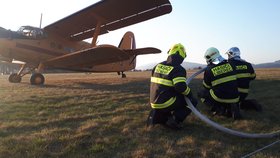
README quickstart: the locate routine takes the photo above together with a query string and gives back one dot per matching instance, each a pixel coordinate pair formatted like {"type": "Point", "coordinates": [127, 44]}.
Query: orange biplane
{"type": "Point", "coordinates": [60, 45]}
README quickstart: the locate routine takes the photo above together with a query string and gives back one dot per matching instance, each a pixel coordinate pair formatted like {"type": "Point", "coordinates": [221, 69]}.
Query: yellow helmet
{"type": "Point", "coordinates": [178, 48]}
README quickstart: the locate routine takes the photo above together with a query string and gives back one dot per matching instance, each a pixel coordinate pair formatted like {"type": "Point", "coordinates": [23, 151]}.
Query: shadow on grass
{"type": "Point", "coordinates": [125, 87]}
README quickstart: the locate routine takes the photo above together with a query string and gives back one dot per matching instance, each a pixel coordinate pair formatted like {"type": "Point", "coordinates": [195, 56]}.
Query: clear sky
{"type": "Point", "coordinates": [251, 25]}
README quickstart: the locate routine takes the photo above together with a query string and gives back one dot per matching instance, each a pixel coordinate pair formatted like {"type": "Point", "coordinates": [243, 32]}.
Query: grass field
{"type": "Point", "coordinates": [102, 115]}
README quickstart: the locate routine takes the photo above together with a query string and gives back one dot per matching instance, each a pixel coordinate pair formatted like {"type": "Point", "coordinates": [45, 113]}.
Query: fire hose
{"type": "Point", "coordinates": [220, 127]}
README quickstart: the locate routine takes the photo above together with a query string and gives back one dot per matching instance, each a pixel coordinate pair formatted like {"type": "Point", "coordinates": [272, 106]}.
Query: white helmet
{"type": "Point", "coordinates": [211, 54]}
{"type": "Point", "coordinates": [233, 52]}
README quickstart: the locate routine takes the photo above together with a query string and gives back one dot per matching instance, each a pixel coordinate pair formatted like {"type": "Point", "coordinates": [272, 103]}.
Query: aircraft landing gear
{"type": "Point", "coordinates": [123, 75]}
{"type": "Point", "coordinates": [37, 79]}
{"type": "Point", "coordinates": [14, 78]}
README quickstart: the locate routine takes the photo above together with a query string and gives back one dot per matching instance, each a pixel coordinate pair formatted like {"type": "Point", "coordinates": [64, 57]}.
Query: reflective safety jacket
{"type": "Point", "coordinates": [244, 73]}
{"type": "Point", "coordinates": [167, 82]}
{"type": "Point", "coordinates": [221, 82]}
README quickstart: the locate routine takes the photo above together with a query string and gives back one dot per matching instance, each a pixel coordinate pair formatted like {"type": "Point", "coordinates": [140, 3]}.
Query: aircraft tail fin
{"type": "Point", "coordinates": [128, 41]}
{"type": "Point", "coordinates": [128, 45]}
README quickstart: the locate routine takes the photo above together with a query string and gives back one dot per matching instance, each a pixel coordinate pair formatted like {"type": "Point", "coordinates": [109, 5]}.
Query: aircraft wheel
{"type": "Point", "coordinates": [123, 75]}
{"type": "Point", "coordinates": [37, 79]}
{"type": "Point", "coordinates": [14, 78]}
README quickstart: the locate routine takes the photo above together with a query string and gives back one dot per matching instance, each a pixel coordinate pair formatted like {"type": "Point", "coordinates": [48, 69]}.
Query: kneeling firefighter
{"type": "Point", "coordinates": [168, 89]}
{"type": "Point", "coordinates": [245, 73]}
{"type": "Point", "coordinates": [221, 87]}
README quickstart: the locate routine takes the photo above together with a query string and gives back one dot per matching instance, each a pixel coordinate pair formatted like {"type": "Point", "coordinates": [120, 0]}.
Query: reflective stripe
{"type": "Point", "coordinates": [243, 90]}
{"type": "Point", "coordinates": [163, 69]}
{"type": "Point", "coordinates": [223, 100]}
{"type": "Point", "coordinates": [162, 81]}
{"type": "Point", "coordinates": [179, 79]}
{"type": "Point", "coordinates": [207, 86]}
{"type": "Point", "coordinates": [223, 80]}
{"type": "Point", "coordinates": [182, 79]}
{"type": "Point", "coordinates": [165, 104]}
{"type": "Point", "coordinates": [246, 75]}
{"type": "Point", "coordinates": [187, 91]}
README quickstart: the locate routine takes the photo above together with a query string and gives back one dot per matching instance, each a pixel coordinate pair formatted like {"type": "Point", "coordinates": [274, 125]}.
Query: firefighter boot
{"type": "Point", "coordinates": [150, 121]}
{"type": "Point", "coordinates": [172, 124]}
{"type": "Point", "coordinates": [251, 104]}
{"type": "Point", "coordinates": [255, 105]}
{"type": "Point", "coordinates": [235, 112]}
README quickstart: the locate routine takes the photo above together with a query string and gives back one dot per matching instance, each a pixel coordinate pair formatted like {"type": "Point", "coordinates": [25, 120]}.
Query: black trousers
{"type": "Point", "coordinates": [213, 104]}
{"type": "Point", "coordinates": [178, 110]}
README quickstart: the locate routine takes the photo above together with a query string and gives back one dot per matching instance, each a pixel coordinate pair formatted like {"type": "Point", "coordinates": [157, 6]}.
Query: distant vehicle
{"type": "Point", "coordinates": [60, 45]}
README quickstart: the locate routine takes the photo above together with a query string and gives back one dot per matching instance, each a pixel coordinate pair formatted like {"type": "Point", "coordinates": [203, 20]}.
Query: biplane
{"type": "Point", "coordinates": [62, 45]}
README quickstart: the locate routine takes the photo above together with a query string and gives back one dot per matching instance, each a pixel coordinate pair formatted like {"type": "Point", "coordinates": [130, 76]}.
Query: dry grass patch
{"type": "Point", "coordinates": [102, 115]}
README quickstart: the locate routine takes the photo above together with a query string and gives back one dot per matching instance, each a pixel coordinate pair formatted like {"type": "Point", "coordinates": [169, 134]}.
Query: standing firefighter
{"type": "Point", "coordinates": [168, 89]}
{"type": "Point", "coordinates": [245, 73]}
{"type": "Point", "coordinates": [220, 84]}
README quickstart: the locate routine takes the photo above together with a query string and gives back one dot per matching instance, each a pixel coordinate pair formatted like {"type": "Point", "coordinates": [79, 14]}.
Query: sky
{"type": "Point", "coordinates": [251, 25]}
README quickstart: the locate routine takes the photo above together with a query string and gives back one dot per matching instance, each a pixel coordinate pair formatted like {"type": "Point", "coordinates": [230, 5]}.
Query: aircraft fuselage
{"type": "Point", "coordinates": [34, 46]}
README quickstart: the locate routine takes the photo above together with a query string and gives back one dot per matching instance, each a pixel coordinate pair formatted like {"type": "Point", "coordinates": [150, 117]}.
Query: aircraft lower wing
{"type": "Point", "coordinates": [88, 57]}
{"type": "Point", "coordinates": [96, 56]}
{"type": "Point", "coordinates": [142, 51]}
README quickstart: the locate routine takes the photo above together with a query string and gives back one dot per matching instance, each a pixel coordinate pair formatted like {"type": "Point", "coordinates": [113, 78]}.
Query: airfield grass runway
{"type": "Point", "coordinates": [102, 115]}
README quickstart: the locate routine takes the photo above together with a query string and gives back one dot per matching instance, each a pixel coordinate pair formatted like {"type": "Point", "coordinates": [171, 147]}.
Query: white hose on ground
{"type": "Point", "coordinates": [267, 146]}
{"type": "Point", "coordinates": [220, 127]}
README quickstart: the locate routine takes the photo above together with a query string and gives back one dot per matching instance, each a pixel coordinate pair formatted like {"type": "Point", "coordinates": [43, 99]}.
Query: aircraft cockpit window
{"type": "Point", "coordinates": [31, 32]}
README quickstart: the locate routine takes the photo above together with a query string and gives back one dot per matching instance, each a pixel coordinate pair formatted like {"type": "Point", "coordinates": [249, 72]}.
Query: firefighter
{"type": "Point", "coordinates": [167, 91]}
{"type": "Point", "coordinates": [220, 85]}
{"type": "Point", "coordinates": [245, 74]}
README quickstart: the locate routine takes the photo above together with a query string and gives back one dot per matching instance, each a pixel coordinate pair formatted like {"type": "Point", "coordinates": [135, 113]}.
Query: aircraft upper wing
{"type": "Point", "coordinates": [112, 15]}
